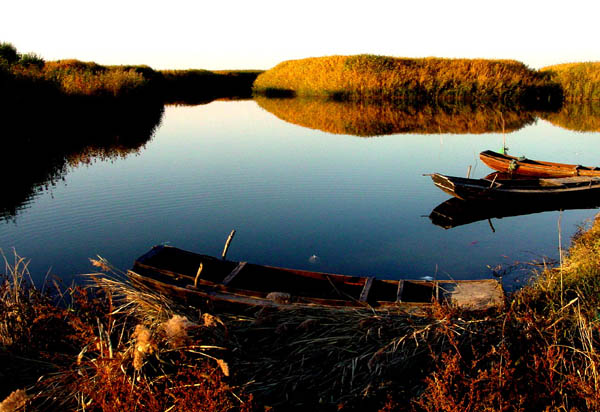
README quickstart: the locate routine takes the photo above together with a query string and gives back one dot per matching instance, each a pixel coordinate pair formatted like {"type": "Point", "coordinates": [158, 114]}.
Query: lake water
{"type": "Point", "coordinates": [303, 188]}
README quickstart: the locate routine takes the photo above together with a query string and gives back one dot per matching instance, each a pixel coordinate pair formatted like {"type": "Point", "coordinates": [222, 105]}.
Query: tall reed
{"type": "Point", "coordinates": [380, 77]}
{"type": "Point", "coordinates": [579, 81]}
{"type": "Point", "coordinates": [90, 79]}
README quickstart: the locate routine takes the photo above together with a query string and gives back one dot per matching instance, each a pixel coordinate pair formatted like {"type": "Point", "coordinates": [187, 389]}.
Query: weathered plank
{"type": "Point", "coordinates": [400, 289]}
{"type": "Point", "coordinates": [364, 294]}
{"type": "Point", "coordinates": [234, 273]}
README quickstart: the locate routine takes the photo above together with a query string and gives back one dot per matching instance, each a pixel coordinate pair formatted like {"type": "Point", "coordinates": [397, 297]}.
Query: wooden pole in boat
{"type": "Point", "coordinates": [504, 148]}
{"type": "Point", "coordinates": [227, 244]}
{"type": "Point", "coordinates": [469, 171]}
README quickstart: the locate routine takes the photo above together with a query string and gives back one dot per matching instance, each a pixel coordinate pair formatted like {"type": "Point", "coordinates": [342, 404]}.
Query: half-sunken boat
{"type": "Point", "coordinates": [519, 190]}
{"type": "Point", "coordinates": [195, 278]}
{"type": "Point", "coordinates": [527, 167]}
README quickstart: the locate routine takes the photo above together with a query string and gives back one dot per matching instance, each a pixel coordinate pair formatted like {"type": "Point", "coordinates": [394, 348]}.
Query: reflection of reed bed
{"type": "Point", "coordinates": [374, 119]}
{"type": "Point", "coordinates": [37, 154]}
{"type": "Point", "coordinates": [427, 79]}
{"type": "Point", "coordinates": [580, 117]}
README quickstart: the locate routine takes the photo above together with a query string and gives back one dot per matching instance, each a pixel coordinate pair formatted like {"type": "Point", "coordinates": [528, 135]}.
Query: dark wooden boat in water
{"type": "Point", "coordinates": [527, 167]}
{"type": "Point", "coordinates": [519, 190]}
{"type": "Point", "coordinates": [456, 212]}
{"type": "Point", "coordinates": [196, 278]}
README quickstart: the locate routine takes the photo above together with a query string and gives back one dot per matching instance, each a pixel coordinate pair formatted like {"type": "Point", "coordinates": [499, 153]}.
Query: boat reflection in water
{"type": "Point", "coordinates": [457, 212]}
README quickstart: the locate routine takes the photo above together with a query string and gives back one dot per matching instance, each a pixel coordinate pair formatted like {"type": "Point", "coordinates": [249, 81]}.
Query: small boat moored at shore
{"type": "Point", "coordinates": [196, 278]}
{"type": "Point", "coordinates": [535, 168]}
{"type": "Point", "coordinates": [542, 189]}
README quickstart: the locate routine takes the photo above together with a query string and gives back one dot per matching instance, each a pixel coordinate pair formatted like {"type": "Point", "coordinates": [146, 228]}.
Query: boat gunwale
{"type": "Point", "coordinates": [478, 189]}
{"type": "Point", "coordinates": [219, 291]}
{"type": "Point", "coordinates": [237, 296]}
{"type": "Point", "coordinates": [501, 162]}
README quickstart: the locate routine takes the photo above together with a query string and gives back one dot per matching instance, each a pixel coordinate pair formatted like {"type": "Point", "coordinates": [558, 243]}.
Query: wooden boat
{"type": "Point", "coordinates": [542, 189]}
{"type": "Point", "coordinates": [456, 212]}
{"type": "Point", "coordinates": [196, 278]}
{"type": "Point", "coordinates": [527, 167]}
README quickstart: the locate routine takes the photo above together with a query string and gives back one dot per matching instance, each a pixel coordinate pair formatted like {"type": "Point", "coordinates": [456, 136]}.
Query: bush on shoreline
{"type": "Point", "coordinates": [28, 76]}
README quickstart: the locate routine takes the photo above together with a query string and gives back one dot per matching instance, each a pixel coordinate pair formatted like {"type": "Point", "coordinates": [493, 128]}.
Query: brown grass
{"type": "Point", "coordinates": [579, 81]}
{"type": "Point", "coordinates": [380, 77]}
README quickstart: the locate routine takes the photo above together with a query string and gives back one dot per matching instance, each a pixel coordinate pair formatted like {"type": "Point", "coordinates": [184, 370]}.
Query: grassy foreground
{"type": "Point", "coordinates": [371, 77]}
{"type": "Point", "coordinates": [118, 347]}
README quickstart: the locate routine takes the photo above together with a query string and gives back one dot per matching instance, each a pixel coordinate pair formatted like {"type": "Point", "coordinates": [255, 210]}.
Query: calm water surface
{"type": "Point", "coordinates": [297, 196]}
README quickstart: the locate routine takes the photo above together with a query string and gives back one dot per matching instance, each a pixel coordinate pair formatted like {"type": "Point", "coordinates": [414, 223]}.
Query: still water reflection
{"type": "Point", "coordinates": [299, 194]}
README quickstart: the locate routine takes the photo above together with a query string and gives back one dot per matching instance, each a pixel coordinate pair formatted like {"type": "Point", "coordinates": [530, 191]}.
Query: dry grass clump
{"type": "Point", "coordinates": [346, 359]}
{"type": "Point", "coordinates": [38, 332]}
{"type": "Point", "coordinates": [90, 79]}
{"type": "Point", "coordinates": [147, 354]}
{"type": "Point", "coordinates": [545, 353]}
{"type": "Point", "coordinates": [576, 280]}
{"type": "Point", "coordinates": [381, 118]}
{"type": "Point", "coordinates": [120, 348]}
{"type": "Point", "coordinates": [579, 81]}
{"type": "Point", "coordinates": [380, 77]}
{"type": "Point", "coordinates": [16, 401]}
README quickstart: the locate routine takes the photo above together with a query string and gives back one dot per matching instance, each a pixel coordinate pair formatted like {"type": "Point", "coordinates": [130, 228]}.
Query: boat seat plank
{"type": "Point", "coordinates": [234, 273]}
{"type": "Point", "coordinates": [559, 181]}
{"type": "Point", "coordinates": [400, 290]}
{"type": "Point", "coordinates": [364, 295]}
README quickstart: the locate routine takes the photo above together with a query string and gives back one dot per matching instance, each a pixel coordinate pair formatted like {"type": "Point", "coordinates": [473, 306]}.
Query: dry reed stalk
{"type": "Point", "coordinates": [143, 344]}
{"type": "Point", "coordinates": [343, 354]}
{"type": "Point", "coordinates": [18, 278]}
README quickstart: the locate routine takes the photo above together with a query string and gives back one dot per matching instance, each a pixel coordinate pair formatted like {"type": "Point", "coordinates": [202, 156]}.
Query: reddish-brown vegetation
{"type": "Point", "coordinates": [127, 348]}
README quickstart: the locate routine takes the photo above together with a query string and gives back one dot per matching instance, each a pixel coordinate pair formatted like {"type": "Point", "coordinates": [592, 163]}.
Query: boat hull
{"type": "Point", "coordinates": [576, 188]}
{"type": "Point", "coordinates": [535, 168]}
{"type": "Point", "coordinates": [176, 273]}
